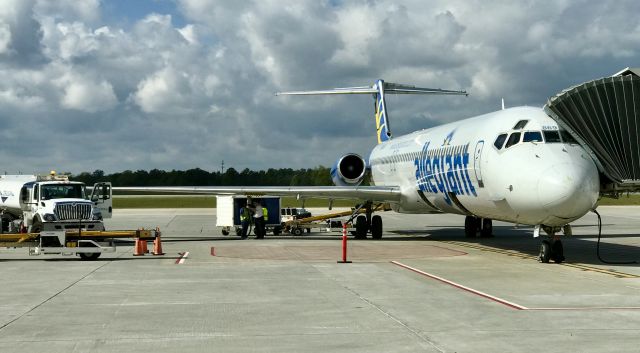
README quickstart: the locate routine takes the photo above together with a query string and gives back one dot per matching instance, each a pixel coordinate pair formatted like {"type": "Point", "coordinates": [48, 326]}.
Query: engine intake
{"type": "Point", "coordinates": [349, 170]}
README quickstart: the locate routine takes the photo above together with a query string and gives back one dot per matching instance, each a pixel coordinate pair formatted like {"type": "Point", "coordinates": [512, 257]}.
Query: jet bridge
{"type": "Point", "coordinates": [604, 116]}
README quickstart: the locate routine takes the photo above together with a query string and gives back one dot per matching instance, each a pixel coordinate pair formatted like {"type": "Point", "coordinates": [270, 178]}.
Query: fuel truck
{"type": "Point", "coordinates": [34, 204]}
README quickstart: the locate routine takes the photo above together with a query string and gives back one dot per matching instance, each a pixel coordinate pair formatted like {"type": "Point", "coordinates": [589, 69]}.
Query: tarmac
{"type": "Point", "coordinates": [423, 288]}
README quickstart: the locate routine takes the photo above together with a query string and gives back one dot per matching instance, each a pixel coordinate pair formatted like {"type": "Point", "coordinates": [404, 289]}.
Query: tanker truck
{"type": "Point", "coordinates": [34, 204]}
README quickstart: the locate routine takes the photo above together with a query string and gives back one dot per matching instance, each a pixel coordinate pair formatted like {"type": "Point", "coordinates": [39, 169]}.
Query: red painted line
{"type": "Point", "coordinates": [460, 286]}
{"type": "Point", "coordinates": [505, 302]}
{"type": "Point", "coordinates": [591, 308]}
{"type": "Point", "coordinates": [213, 251]}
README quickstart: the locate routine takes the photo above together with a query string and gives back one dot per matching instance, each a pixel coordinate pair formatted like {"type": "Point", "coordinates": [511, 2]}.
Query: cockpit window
{"type": "Point", "coordinates": [551, 136]}
{"type": "Point", "coordinates": [500, 141]}
{"type": "Point", "coordinates": [532, 136]}
{"type": "Point", "coordinates": [513, 139]}
{"type": "Point", "coordinates": [567, 138]}
{"type": "Point", "coordinates": [520, 124]}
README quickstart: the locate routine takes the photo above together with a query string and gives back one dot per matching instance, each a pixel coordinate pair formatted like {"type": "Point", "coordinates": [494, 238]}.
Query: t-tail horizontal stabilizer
{"type": "Point", "coordinates": [378, 90]}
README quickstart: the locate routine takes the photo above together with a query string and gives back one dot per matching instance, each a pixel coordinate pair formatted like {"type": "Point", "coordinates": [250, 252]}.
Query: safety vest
{"type": "Point", "coordinates": [244, 214]}
{"type": "Point", "coordinates": [265, 214]}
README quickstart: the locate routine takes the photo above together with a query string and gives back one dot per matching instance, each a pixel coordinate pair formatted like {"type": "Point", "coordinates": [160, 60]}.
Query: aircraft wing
{"type": "Point", "coordinates": [365, 193]}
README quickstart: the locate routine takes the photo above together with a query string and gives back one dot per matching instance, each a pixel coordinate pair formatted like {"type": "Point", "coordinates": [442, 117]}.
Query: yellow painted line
{"type": "Point", "coordinates": [529, 257]}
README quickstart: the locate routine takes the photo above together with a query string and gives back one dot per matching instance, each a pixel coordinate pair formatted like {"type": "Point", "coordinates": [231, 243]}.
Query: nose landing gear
{"type": "Point", "coordinates": [552, 250]}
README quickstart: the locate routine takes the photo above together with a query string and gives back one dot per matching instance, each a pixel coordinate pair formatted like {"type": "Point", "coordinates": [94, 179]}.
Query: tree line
{"type": "Point", "coordinates": [197, 177]}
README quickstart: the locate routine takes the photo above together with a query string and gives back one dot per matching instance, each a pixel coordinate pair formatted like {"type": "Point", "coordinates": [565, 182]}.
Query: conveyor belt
{"type": "Point", "coordinates": [604, 116]}
{"type": "Point", "coordinates": [22, 239]}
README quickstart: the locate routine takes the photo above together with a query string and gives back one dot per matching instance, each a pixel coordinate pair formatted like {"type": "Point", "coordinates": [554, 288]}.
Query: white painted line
{"type": "Point", "coordinates": [182, 258]}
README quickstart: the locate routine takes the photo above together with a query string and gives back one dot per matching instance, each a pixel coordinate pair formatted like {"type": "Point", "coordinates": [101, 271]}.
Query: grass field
{"type": "Point", "coordinates": [629, 200]}
{"type": "Point", "coordinates": [207, 201]}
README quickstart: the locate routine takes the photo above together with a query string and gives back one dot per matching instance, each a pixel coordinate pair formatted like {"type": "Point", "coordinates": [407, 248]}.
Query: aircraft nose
{"type": "Point", "coordinates": [568, 190]}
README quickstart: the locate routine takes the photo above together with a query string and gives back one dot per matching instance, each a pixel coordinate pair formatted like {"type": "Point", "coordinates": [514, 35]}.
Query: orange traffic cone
{"type": "Point", "coordinates": [145, 250]}
{"type": "Point", "coordinates": [137, 248]}
{"type": "Point", "coordinates": [157, 246]}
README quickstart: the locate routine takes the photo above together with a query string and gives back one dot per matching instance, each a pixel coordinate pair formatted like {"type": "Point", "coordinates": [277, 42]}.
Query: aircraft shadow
{"type": "Point", "coordinates": [577, 248]}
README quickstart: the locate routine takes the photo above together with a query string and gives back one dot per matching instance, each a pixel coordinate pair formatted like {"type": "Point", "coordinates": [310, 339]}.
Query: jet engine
{"type": "Point", "coordinates": [349, 170]}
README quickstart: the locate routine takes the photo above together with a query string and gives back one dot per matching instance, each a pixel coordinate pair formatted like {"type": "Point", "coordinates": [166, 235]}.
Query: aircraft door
{"type": "Point", "coordinates": [102, 198]}
{"type": "Point", "coordinates": [477, 162]}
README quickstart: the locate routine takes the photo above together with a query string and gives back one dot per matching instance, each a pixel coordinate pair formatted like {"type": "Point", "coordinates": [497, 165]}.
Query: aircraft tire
{"type": "Point", "coordinates": [545, 252]}
{"type": "Point", "coordinates": [557, 251]}
{"type": "Point", "coordinates": [376, 227]}
{"type": "Point", "coordinates": [361, 227]}
{"type": "Point", "coordinates": [470, 227]}
{"type": "Point", "coordinates": [487, 228]}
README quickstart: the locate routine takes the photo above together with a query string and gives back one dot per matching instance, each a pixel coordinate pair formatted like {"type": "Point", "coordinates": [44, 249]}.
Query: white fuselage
{"type": "Point", "coordinates": [457, 168]}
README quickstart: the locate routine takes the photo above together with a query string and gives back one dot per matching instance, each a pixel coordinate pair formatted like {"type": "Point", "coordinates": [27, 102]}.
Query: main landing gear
{"type": "Point", "coordinates": [368, 222]}
{"type": "Point", "coordinates": [474, 225]}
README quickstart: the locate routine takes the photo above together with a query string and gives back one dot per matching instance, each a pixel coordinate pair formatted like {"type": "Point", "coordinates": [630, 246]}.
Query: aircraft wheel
{"type": "Point", "coordinates": [89, 256]}
{"type": "Point", "coordinates": [557, 251]}
{"type": "Point", "coordinates": [487, 228]}
{"type": "Point", "coordinates": [361, 227]}
{"type": "Point", "coordinates": [545, 252]}
{"type": "Point", "coordinates": [470, 226]}
{"type": "Point", "coordinates": [376, 227]}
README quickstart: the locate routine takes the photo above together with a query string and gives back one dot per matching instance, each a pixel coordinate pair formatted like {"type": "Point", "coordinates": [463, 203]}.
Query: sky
{"type": "Point", "coordinates": [179, 84]}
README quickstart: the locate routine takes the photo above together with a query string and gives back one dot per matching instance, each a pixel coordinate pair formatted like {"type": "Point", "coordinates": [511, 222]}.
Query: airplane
{"type": "Point", "coordinates": [515, 165]}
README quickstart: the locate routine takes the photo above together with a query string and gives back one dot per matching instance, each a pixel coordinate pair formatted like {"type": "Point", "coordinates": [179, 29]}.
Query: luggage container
{"type": "Point", "coordinates": [228, 212]}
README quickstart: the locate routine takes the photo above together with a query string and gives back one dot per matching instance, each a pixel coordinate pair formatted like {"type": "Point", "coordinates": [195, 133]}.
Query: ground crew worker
{"type": "Point", "coordinates": [258, 220]}
{"type": "Point", "coordinates": [245, 220]}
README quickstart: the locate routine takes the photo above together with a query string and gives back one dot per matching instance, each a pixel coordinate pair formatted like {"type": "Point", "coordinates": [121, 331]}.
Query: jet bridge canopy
{"type": "Point", "coordinates": [604, 116]}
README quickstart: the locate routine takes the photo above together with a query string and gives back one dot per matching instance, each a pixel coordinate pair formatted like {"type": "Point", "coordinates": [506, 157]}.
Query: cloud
{"type": "Point", "coordinates": [23, 48]}
{"type": "Point", "coordinates": [84, 94]}
{"type": "Point", "coordinates": [152, 93]}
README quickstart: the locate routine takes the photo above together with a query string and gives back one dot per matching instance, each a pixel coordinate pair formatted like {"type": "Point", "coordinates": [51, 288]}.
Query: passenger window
{"type": "Point", "coordinates": [500, 141]}
{"type": "Point", "coordinates": [513, 139]}
{"type": "Point", "coordinates": [532, 136]}
{"type": "Point", "coordinates": [567, 138]}
{"type": "Point", "coordinates": [520, 124]}
{"type": "Point", "coordinates": [551, 136]}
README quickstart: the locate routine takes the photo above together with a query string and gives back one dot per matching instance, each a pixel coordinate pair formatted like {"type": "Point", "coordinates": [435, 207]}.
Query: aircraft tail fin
{"type": "Point", "coordinates": [378, 90]}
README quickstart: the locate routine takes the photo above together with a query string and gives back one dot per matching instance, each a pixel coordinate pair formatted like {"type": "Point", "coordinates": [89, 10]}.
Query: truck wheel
{"type": "Point", "coordinates": [225, 232]}
{"type": "Point", "coordinates": [296, 231]}
{"type": "Point", "coordinates": [277, 230]}
{"type": "Point", "coordinates": [36, 227]}
{"type": "Point", "coordinates": [89, 256]}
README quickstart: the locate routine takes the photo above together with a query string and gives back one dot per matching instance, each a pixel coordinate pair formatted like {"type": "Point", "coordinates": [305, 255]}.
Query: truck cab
{"type": "Point", "coordinates": [53, 203]}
